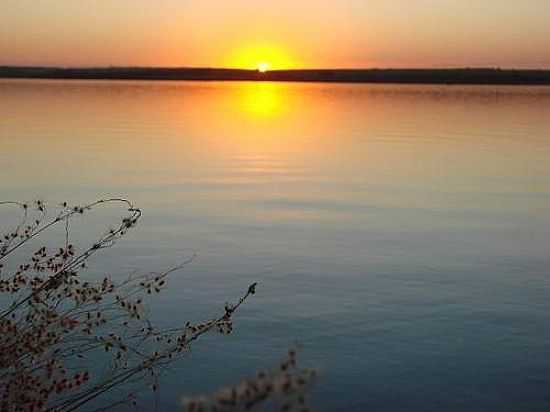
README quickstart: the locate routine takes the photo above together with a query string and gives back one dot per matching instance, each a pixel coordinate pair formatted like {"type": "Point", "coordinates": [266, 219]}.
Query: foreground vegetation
{"type": "Point", "coordinates": [57, 323]}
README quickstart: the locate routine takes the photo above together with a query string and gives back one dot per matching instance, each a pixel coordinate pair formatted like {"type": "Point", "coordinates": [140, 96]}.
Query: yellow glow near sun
{"type": "Point", "coordinates": [260, 57]}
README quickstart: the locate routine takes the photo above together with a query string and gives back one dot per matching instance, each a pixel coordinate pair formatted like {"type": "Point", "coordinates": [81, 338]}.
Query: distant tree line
{"type": "Point", "coordinates": [475, 76]}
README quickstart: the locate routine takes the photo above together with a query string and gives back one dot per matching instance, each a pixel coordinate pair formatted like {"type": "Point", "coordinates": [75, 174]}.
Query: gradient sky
{"type": "Point", "coordinates": [285, 33]}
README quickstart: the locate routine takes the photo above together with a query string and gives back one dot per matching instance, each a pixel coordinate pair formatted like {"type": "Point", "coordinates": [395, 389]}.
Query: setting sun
{"type": "Point", "coordinates": [261, 57]}
{"type": "Point", "coordinates": [263, 67]}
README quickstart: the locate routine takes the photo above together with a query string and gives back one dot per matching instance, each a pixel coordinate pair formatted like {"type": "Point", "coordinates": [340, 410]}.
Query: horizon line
{"type": "Point", "coordinates": [103, 67]}
{"type": "Point", "coordinates": [464, 75]}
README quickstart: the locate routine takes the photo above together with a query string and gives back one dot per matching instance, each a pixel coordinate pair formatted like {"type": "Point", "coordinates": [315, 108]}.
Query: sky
{"type": "Point", "coordinates": [276, 34]}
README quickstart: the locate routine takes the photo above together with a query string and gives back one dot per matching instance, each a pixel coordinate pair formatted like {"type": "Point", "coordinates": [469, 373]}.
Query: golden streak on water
{"type": "Point", "coordinates": [261, 99]}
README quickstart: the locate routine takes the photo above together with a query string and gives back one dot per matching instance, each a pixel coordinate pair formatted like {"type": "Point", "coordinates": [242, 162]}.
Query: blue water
{"type": "Point", "coordinates": [400, 235]}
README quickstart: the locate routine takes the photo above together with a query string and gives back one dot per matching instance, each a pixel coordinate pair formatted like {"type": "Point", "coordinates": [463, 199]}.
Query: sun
{"type": "Point", "coordinates": [261, 57]}
{"type": "Point", "coordinates": [262, 67]}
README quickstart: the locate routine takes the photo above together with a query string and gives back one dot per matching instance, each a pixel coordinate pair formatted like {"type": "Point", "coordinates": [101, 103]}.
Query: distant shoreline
{"type": "Point", "coordinates": [463, 76]}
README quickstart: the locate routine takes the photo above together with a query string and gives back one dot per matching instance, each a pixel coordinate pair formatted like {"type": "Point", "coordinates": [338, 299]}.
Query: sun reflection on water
{"type": "Point", "coordinates": [261, 99]}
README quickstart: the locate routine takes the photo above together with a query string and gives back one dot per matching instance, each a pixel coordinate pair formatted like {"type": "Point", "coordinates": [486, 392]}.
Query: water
{"type": "Point", "coordinates": [399, 234]}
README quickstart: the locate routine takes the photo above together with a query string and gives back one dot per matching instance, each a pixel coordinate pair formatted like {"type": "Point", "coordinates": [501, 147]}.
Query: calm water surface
{"type": "Point", "coordinates": [400, 234]}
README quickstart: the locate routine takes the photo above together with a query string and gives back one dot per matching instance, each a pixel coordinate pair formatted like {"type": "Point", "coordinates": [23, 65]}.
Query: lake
{"type": "Point", "coordinates": [400, 235]}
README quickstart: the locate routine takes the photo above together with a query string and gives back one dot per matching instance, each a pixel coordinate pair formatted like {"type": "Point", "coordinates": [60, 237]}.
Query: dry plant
{"type": "Point", "coordinates": [55, 325]}
{"type": "Point", "coordinates": [283, 389]}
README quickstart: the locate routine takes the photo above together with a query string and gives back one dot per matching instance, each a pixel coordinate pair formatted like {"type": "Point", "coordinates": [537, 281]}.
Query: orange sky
{"type": "Point", "coordinates": [282, 34]}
